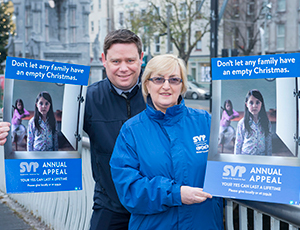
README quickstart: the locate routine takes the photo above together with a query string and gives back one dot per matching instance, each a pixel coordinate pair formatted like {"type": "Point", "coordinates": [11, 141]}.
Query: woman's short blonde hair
{"type": "Point", "coordinates": [164, 65]}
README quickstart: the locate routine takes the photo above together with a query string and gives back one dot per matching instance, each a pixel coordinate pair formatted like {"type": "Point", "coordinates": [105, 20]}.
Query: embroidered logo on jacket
{"type": "Point", "coordinates": [201, 143]}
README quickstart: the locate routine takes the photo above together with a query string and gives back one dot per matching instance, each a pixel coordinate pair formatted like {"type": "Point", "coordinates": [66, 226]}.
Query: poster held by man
{"type": "Point", "coordinates": [46, 157]}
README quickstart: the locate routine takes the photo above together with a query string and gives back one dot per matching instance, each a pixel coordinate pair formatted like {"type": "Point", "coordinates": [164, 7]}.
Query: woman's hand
{"type": "Point", "coordinates": [192, 195]}
{"type": "Point", "coordinates": [4, 128]}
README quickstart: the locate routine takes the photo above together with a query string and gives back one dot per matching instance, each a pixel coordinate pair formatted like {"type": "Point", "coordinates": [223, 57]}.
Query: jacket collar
{"type": "Point", "coordinates": [172, 115]}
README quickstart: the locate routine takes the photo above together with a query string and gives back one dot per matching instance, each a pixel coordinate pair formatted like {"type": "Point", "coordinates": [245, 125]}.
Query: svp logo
{"type": "Point", "coordinates": [201, 143]}
{"type": "Point", "coordinates": [25, 167]}
{"type": "Point", "coordinates": [229, 170]}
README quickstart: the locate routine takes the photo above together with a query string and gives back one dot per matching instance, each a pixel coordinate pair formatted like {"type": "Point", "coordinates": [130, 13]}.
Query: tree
{"type": "Point", "coordinates": [241, 22]}
{"type": "Point", "coordinates": [185, 17]}
{"type": "Point", "coordinates": [5, 29]}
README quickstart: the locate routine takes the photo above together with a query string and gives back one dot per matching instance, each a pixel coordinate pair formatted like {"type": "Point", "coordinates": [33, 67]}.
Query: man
{"type": "Point", "coordinates": [109, 103]}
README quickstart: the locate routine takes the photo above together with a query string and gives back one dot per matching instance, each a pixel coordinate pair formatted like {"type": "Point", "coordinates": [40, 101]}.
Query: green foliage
{"type": "Point", "coordinates": [5, 29]}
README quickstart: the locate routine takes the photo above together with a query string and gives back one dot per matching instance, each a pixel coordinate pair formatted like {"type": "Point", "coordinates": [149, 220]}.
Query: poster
{"type": "Point", "coordinates": [254, 148]}
{"type": "Point", "coordinates": [43, 101]}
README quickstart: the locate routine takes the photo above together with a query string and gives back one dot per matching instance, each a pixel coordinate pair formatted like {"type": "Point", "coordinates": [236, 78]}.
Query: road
{"type": "Point", "coordinates": [197, 104]}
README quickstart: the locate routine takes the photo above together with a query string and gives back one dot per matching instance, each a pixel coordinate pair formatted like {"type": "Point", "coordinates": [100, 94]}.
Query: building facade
{"type": "Point", "coordinates": [262, 27]}
{"type": "Point", "coordinates": [126, 11]}
{"type": "Point", "coordinates": [101, 21]}
{"type": "Point", "coordinates": [54, 30]}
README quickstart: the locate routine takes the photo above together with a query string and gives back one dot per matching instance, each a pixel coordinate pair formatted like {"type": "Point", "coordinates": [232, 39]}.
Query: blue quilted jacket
{"type": "Point", "coordinates": [154, 155]}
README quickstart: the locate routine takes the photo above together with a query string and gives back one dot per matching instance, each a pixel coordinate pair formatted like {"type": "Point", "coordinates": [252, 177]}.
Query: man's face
{"type": "Point", "coordinates": [123, 65]}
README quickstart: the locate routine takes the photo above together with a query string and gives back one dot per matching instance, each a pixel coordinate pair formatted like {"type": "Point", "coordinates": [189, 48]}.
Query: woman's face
{"type": "Point", "coordinates": [19, 105]}
{"type": "Point", "coordinates": [253, 105]}
{"type": "Point", "coordinates": [164, 95]}
{"type": "Point", "coordinates": [43, 106]}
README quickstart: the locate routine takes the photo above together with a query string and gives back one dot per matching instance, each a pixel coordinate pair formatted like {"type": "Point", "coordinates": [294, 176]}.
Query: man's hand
{"type": "Point", "coordinates": [4, 128]}
{"type": "Point", "coordinates": [192, 195]}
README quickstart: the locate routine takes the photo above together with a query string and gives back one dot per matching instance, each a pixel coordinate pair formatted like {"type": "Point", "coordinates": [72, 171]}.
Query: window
{"type": "Point", "coordinates": [92, 5]}
{"type": "Point", "coordinates": [199, 43]}
{"type": "Point", "coordinates": [205, 73]}
{"type": "Point", "coordinates": [193, 72]}
{"type": "Point", "coordinates": [143, 13]}
{"type": "Point", "coordinates": [156, 13]}
{"type": "Point", "coordinates": [281, 5]}
{"type": "Point", "coordinates": [280, 37]}
{"type": "Point", "coordinates": [92, 26]}
{"type": "Point", "coordinates": [267, 31]}
{"type": "Point", "coordinates": [184, 44]}
{"type": "Point", "coordinates": [144, 42]}
{"type": "Point", "coordinates": [121, 18]}
{"type": "Point", "coordinates": [47, 24]}
{"type": "Point", "coordinates": [249, 36]}
{"type": "Point", "coordinates": [198, 9]}
{"type": "Point", "coordinates": [99, 25]}
{"type": "Point", "coordinates": [73, 25]}
{"type": "Point", "coordinates": [250, 7]}
{"type": "Point", "coordinates": [169, 11]}
{"type": "Point", "coordinates": [182, 11]}
{"type": "Point", "coordinates": [236, 38]}
{"type": "Point", "coordinates": [171, 47]}
{"type": "Point", "coordinates": [236, 9]}
{"type": "Point", "coordinates": [157, 43]}
{"type": "Point", "coordinates": [99, 4]}
{"type": "Point", "coordinates": [131, 15]}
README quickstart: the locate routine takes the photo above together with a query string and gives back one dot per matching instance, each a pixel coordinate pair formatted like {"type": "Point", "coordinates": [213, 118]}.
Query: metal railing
{"type": "Point", "coordinates": [72, 210]}
{"type": "Point", "coordinates": [247, 215]}
{"type": "Point", "coordinates": [60, 210]}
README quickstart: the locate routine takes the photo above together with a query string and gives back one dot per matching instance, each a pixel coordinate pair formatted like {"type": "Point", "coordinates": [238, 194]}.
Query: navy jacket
{"type": "Point", "coordinates": [155, 154]}
{"type": "Point", "coordinates": [105, 113]}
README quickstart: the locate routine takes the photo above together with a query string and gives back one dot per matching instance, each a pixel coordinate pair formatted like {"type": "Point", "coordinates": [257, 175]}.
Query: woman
{"type": "Point", "coordinates": [159, 159]}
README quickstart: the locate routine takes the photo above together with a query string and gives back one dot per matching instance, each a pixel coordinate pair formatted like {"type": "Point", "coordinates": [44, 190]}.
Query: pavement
{"type": "Point", "coordinates": [14, 217]}
{"type": "Point", "coordinates": [9, 219]}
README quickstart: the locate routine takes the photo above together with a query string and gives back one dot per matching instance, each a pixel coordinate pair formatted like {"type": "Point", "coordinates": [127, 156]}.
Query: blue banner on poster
{"type": "Point", "coordinates": [45, 71]}
{"type": "Point", "coordinates": [268, 183]}
{"type": "Point", "coordinates": [254, 67]}
{"type": "Point", "coordinates": [43, 175]}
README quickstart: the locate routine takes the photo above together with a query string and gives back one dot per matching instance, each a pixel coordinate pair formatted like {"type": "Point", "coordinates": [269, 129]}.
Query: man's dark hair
{"type": "Point", "coordinates": [121, 36]}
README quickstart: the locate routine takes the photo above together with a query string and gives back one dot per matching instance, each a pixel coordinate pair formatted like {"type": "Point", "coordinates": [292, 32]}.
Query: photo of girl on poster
{"type": "Point", "coordinates": [256, 127]}
{"type": "Point", "coordinates": [42, 128]}
{"type": "Point", "coordinates": [17, 128]}
{"type": "Point", "coordinates": [227, 132]}
{"type": "Point", "coordinates": [253, 135]}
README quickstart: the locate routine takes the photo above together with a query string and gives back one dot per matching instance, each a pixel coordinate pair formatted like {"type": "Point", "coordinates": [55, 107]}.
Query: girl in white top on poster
{"type": "Point", "coordinates": [42, 130]}
{"type": "Point", "coordinates": [253, 135]}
